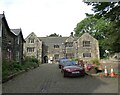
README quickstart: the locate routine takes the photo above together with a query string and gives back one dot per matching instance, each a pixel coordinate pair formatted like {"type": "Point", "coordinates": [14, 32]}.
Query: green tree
{"type": "Point", "coordinates": [54, 35]}
{"type": "Point", "coordinates": [111, 12]}
{"type": "Point", "coordinates": [96, 27]}
{"type": "Point", "coordinates": [86, 25]}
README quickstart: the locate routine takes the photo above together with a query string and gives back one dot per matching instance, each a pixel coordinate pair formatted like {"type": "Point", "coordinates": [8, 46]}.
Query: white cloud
{"type": "Point", "coordinates": [44, 16]}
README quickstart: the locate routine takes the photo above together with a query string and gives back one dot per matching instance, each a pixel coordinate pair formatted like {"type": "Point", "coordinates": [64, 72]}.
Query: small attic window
{"type": "Point", "coordinates": [31, 40]}
{"type": "Point", "coordinates": [56, 46]}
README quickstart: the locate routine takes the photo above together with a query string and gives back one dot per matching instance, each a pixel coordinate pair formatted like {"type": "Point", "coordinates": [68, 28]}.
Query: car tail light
{"type": "Point", "coordinates": [68, 70]}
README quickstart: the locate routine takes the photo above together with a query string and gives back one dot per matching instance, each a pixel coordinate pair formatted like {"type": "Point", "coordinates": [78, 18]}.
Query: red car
{"type": "Point", "coordinates": [72, 70]}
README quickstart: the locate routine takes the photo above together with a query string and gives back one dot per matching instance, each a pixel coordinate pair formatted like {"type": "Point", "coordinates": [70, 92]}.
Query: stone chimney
{"type": "Point", "coordinates": [71, 34]}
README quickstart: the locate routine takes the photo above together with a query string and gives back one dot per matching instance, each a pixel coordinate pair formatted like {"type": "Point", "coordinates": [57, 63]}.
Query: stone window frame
{"type": "Point", "coordinates": [17, 56]}
{"type": "Point", "coordinates": [70, 55]}
{"type": "Point", "coordinates": [30, 49]}
{"type": "Point", "coordinates": [87, 55]}
{"type": "Point", "coordinates": [31, 40]}
{"type": "Point", "coordinates": [68, 44]}
{"type": "Point", "coordinates": [86, 43]}
{"type": "Point", "coordinates": [56, 46]}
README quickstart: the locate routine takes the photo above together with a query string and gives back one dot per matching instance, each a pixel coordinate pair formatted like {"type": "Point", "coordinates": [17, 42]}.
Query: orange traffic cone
{"type": "Point", "coordinates": [112, 74]}
{"type": "Point", "coordinates": [105, 72]}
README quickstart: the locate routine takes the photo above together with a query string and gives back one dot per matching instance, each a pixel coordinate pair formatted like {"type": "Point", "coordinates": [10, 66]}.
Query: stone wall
{"type": "Point", "coordinates": [7, 42]}
{"type": "Point", "coordinates": [93, 48]}
{"type": "Point", "coordinates": [37, 45]}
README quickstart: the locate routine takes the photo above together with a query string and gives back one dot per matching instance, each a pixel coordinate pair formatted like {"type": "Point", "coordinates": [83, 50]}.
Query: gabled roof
{"type": "Point", "coordinates": [87, 34]}
{"type": "Point", "coordinates": [1, 16]}
{"type": "Point", "coordinates": [32, 34]}
{"type": "Point", "coordinates": [16, 31]}
{"type": "Point", "coordinates": [53, 40]}
{"type": "Point", "coordinates": [76, 38]}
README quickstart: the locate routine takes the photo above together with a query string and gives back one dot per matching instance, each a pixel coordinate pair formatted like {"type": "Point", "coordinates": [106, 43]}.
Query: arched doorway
{"type": "Point", "coordinates": [45, 59]}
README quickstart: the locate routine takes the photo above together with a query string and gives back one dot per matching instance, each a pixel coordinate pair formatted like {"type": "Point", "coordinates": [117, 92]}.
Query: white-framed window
{"type": "Point", "coordinates": [86, 55]}
{"type": "Point", "coordinates": [86, 43]}
{"type": "Point", "coordinates": [30, 49]}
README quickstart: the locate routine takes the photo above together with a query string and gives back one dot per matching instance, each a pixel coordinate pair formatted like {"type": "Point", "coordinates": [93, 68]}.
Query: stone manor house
{"type": "Point", "coordinates": [50, 49]}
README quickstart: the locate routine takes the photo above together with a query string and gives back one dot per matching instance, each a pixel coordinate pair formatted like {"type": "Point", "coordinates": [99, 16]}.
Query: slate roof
{"type": "Point", "coordinates": [16, 31]}
{"type": "Point", "coordinates": [76, 38]}
{"type": "Point", "coordinates": [1, 16]}
{"type": "Point", "coordinates": [53, 40]}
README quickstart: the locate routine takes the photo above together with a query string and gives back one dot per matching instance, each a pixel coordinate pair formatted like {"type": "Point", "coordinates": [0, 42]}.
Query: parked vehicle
{"type": "Point", "coordinates": [71, 68]}
{"type": "Point", "coordinates": [69, 63]}
{"type": "Point", "coordinates": [62, 61]}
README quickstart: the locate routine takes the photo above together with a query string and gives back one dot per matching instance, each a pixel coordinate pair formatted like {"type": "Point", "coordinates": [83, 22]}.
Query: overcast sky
{"type": "Point", "coordinates": [44, 17]}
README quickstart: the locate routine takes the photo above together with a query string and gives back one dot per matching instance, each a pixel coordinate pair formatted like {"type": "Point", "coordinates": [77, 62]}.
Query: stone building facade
{"type": "Point", "coordinates": [12, 42]}
{"type": "Point", "coordinates": [88, 47]}
{"type": "Point", "coordinates": [52, 48]}
{"type": "Point", "coordinates": [7, 40]}
{"type": "Point", "coordinates": [18, 44]}
{"type": "Point", "coordinates": [33, 47]}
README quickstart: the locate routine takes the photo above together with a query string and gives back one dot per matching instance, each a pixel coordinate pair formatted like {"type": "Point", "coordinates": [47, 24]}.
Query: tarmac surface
{"type": "Point", "coordinates": [48, 79]}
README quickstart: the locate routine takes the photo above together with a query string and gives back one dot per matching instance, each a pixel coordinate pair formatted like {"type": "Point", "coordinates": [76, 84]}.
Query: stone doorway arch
{"type": "Point", "coordinates": [45, 60]}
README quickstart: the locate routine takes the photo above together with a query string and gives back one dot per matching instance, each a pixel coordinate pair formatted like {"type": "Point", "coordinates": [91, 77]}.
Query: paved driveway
{"type": "Point", "coordinates": [48, 79]}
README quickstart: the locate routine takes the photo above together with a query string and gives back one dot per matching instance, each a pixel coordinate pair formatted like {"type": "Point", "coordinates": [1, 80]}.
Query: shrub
{"type": "Point", "coordinates": [30, 62]}
{"type": "Point", "coordinates": [95, 61]}
{"type": "Point", "coordinates": [9, 68]}
{"type": "Point", "coordinates": [75, 59]}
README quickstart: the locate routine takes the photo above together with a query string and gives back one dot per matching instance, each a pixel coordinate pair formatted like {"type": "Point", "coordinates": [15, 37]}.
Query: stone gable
{"type": "Point", "coordinates": [85, 47]}
{"type": "Point", "coordinates": [12, 48]}
{"type": "Point", "coordinates": [33, 47]}
{"type": "Point", "coordinates": [88, 44]}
